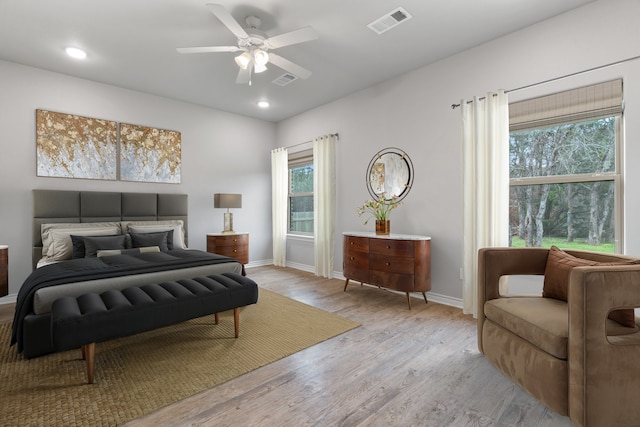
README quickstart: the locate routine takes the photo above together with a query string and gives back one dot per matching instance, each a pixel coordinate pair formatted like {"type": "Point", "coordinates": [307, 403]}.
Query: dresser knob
{"type": "Point", "coordinates": [235, 251]}
{"type": "Point", "coordinates": [388, 263]}
{"type": "Point", "coordinates": [388, 247]}
{"type": "Point", "coordinates": [352, 243]}
{"type": "Point", "coordinates": [352, 258]}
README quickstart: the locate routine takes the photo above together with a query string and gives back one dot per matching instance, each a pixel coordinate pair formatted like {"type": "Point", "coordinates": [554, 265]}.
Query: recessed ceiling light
{"type": "Point", "coordinates": [263, 104]}
{"type": "Point", "coordinates": [76, 53]}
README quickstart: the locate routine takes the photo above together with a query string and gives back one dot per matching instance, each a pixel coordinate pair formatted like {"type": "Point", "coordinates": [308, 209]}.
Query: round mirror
{"type": "Point", "coordinates": [390, 172]}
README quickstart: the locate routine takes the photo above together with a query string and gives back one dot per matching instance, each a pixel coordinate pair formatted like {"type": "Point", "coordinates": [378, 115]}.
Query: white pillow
{"type": "Point", "coordinates": [56, 238]}
{"type": "Point", "coordinates": [178, 231]}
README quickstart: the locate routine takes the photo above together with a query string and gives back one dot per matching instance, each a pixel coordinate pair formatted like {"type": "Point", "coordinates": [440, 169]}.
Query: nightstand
{"type": "Point", "coordinates": [234, 245]}
{"type": "Point", "coordinates": [4, 270]}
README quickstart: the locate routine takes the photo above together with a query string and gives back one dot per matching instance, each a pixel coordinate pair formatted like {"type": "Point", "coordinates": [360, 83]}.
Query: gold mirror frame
{"type": "Point", "coordinates": [390, 172]}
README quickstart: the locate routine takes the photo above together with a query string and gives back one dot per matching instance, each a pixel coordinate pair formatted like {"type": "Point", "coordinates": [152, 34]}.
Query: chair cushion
{"type": "Point", "coordinates": [556, 280]}
{"type": "Point", "coordinates": [544, 322]}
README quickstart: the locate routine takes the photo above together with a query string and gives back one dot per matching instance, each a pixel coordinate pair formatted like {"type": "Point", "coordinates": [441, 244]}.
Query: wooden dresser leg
{"type": "Point", "coordinates": [346, 282]}
{"type": "Point", "coordinates": [408, 300]}
{"type": "Point", "coordinates": [425, 298]}
{"type": "Point", "coordinates": [89, 351]}
{"type": "Point", "coordinates": [236, 321]}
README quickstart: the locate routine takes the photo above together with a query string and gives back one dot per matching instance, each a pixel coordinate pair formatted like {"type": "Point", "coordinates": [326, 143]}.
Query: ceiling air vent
{"type": "Point", "coordinates": [390, 20]}
{"type": "Point", "coordinates": [285, 79]}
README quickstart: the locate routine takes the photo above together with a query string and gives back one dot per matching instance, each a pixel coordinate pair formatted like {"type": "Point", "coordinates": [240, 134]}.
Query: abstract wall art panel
{"type": "Point", "coordinates": [149, 154]}
{"type": "Point", "coordinates": [70, 146]}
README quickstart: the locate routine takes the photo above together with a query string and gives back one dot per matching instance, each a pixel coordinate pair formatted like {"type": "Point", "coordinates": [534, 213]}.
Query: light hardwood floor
{"type": "Point", "coordinates": [400, 368]}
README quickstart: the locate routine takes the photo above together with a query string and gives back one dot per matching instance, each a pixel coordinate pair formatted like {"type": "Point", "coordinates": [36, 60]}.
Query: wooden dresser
{"type": "Point", "coordinates": [235, 245]}
{"type": "Point", "coordinates": [401, 262]}
{"type": "Point", "coordinates": [4, 270]}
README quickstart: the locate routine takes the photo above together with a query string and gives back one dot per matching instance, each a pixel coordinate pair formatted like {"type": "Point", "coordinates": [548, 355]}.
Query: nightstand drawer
{"type": "Point", "coordinates": [231, 245]}
{"type": "Point", "coordinates": [233, 240]}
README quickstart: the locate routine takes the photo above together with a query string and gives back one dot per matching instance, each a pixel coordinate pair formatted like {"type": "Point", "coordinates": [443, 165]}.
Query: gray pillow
{"type": "Point", "coordinates": [92, 244]}
{"type": "Point", "coordinates": [160, 239]}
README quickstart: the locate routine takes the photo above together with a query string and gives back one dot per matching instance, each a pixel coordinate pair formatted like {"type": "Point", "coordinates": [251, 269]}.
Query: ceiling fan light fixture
{"type": "Point", "coordinates": [259, 68]}
{"type": "Point", "coordinates": [243, 60]}
{"type": "Point", "coordinates": [261, 57]}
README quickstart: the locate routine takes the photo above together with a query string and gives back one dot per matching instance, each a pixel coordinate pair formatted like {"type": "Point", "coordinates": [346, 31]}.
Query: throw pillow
{"type": "Point", "coordinates": [160, 239]}
{"type": "Point", "coordinates": [556, 281]}
{"type": "Point", "coordinates": [94, 243]}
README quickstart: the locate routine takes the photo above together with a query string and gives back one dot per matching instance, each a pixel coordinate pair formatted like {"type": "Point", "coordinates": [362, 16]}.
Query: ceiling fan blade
{"type": "Point", "coordinates": [293, 37]}
{"type": "Point", "coordinates": [289, 66]}
{"type": "Point", "coordinates": [244, 76]}
{"type": "Point", "coordinates": [208, 49]}
{"type": "Point", "coordinates": [225, 17]}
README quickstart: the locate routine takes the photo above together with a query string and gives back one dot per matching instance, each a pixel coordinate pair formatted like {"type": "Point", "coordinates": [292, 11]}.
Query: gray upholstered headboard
{"type": "Point", "coordinates": [54, 206]}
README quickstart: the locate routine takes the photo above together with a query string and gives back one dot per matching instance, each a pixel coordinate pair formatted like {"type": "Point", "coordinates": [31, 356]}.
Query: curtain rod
{"type": "Point", "coordinates": [337, 135]}
{"type": "Point", "coordinates": [454, 106]}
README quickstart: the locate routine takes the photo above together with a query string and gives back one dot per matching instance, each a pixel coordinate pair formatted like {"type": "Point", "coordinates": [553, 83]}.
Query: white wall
{"type": "Point", "coordinates": [221, 152]}
{"type": "Point", "coordinates": [413, 112]}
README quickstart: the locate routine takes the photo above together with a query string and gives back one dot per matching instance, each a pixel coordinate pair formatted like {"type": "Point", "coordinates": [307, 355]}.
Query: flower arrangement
{"type": "Point", "coordinates": [379, 207]}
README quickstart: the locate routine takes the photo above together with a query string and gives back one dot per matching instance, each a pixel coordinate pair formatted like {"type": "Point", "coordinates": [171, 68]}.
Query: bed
{"type": "Point", "coordinates": [87, 241]}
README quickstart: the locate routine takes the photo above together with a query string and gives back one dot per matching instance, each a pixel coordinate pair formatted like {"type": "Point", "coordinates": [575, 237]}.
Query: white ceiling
{"type": "Point", "coordinates": [132, 44]}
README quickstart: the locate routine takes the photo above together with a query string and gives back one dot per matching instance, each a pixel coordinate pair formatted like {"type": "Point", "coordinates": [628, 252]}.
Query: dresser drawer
{"type": "Point", "coordinates": [356, 266]}
{"type": "Point", "coordinates": [356, 244]}
{"type": "Point", "coordinates": [400, 248]}
{"type": "Point", "coordinates": [391, 264]}
{"type": "Point", "coordinates": [396, 281]}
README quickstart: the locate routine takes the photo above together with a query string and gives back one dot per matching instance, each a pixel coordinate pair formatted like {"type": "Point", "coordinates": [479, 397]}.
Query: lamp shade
{"type": "Point", "coordinates": [222, 200]}
{"type": "Point", "coordinates": [243, 60]}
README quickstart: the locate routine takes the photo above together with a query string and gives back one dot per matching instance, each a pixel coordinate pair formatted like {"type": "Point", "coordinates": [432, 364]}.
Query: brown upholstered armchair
{"type": "Point", "coordinates": [569, 355]}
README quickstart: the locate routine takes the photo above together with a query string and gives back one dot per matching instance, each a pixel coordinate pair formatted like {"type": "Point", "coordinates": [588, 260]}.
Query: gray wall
{"type": "Point", "coordinates": [413, 112]}
{"type": "Point", "coordinates": [215, 147]}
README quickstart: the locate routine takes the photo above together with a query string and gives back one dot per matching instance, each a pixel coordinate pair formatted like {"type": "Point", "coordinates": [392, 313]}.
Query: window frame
{"type": "Point", "coordinates": [617, 176]}
{"type": "Point", "coordinates": [296, 160]}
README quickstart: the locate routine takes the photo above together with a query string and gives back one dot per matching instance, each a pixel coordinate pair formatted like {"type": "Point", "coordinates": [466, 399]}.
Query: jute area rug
{"type": "Point", "coordinates": [141, 373]}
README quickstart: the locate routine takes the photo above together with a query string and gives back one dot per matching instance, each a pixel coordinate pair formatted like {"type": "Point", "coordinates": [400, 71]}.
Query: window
{"type": "Point", "coordinates": [565, 169]}
{"type": "Point", "coordinates": [301, 192]}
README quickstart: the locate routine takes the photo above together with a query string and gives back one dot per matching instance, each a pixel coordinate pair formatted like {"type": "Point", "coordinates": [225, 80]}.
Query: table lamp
{"type": "Point", "coordinates": [227, 201]}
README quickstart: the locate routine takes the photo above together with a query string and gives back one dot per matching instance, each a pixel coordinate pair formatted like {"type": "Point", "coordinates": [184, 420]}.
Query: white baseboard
{"type": "Point", "coordinates": [9, 299]}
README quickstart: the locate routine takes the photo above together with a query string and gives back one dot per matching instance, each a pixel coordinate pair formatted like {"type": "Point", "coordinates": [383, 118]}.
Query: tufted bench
{"type": "Point", "coordinates": [90, 318]}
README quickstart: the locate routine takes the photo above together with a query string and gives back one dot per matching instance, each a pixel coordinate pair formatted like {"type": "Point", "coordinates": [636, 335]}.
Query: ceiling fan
{"type": "Point", "coordinates": [255, 46]}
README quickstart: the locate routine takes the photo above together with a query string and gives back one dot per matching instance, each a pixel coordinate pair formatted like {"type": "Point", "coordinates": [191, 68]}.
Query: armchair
{"type": "Point", "coordinates": [570, 355]}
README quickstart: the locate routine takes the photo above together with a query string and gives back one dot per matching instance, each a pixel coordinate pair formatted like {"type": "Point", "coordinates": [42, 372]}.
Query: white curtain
{"type": "Point", "coordinates": [485, 124]}
{"type": "Point", "coordinates": [279, 195]}
{"type": "Point", "coordinates": [324, 190]}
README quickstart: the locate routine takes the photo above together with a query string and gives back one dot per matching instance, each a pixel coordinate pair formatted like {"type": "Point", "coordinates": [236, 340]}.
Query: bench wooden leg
{"type": "Point", "coordinates": [89, 354]}
{"type": "Point", "coordinates": [216, 318]}
{"type": "Point", "coordinates": [236, 321]}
